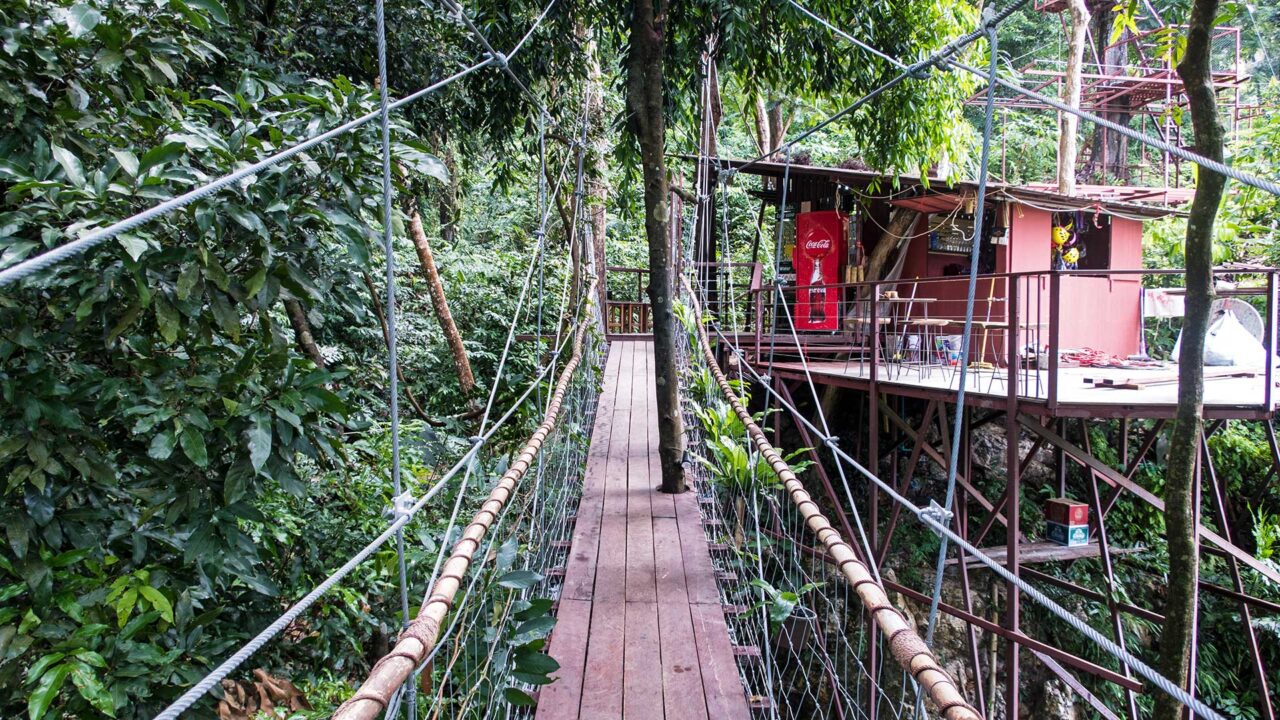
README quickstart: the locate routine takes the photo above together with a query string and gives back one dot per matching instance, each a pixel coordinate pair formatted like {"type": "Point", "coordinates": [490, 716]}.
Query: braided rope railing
{"type": "Point", "coordinates": [908, 649]}
{"type": "Point", "coordinates": [389, 673]}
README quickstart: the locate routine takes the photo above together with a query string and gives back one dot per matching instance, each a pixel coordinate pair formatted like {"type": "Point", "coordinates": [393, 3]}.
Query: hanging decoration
{"type": "Point", "coordinates": [1067, 250]}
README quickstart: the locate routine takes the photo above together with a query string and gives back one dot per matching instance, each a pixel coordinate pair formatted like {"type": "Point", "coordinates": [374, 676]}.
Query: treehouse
{"type": "Point", "coordinates": [1063, 306]}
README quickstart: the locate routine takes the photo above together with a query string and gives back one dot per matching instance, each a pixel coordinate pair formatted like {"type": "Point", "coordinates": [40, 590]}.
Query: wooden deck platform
{"type": "Point", "coordinates": [1078, 393]}
{"type": "Point", "coordinates": [640, 631]}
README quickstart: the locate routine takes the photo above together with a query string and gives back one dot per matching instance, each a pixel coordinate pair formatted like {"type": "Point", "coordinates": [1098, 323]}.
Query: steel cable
{"type": "Point", "coordinates": [207, 683]}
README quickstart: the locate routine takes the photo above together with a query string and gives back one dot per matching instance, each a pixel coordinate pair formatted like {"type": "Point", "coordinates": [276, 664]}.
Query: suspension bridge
{"type": "Point", "coordinates": [575, 590]}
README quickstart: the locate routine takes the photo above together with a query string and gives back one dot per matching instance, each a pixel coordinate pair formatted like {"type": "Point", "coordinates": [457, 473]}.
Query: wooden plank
{"type": "Point", "coordinates": [568, 646]}
{"type": "Point", "coordinates": [721, 685]}
{"type": "Point", "coordinates": [580, 566]}
{"type": "Point", "coordinates": [640, 562]}
{"type": "Point", "coordinates": [602, 684]}
{"type": "Point", "coordinates": [1043, 552]}
{"type": "Point", "coordinates": [682, 688]}
{"type": "Point", "coordinates": [699, 573]}
{"type": "Point", "coordinates": [642, 682]}
{"type": "Point", "coordinates": [611, 560]}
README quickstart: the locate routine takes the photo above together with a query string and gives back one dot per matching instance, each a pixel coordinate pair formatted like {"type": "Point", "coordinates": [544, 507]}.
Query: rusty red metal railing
{"type": "Point", "coordinates": [1024, 321]}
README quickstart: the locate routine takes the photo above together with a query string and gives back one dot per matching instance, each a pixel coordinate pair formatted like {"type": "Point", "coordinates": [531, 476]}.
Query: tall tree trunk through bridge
{"type": "Point", "coordinates": [645, 101]}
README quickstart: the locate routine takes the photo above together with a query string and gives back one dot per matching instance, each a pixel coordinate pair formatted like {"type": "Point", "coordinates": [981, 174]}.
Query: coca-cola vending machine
{"type": "Point", "coordinates": [820, 250]}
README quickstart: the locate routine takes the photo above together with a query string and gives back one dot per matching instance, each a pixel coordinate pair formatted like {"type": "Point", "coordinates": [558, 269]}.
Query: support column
{"type": "Point", "coordinates": [873, 520]}
{"type": "Point", "coordinates": [1013, 619]}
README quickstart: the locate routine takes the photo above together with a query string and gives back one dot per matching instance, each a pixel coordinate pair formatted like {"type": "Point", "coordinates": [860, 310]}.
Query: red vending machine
{"type": "Point", "coordinates": [820, 250]}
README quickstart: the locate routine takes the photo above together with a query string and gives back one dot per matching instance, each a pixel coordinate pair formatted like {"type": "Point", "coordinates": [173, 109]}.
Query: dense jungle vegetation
{"type": "Point", "coordinates": [193, 427]}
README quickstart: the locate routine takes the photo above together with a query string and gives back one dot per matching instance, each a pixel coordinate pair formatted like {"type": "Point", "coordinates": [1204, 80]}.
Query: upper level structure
{"type": "Point", "coordinates": [1066, 317]}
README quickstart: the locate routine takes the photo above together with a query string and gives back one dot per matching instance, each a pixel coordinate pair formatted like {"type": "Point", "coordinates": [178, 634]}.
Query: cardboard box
{"type": "Point", "coordinates": [1068, 535]}
{"type": "Point", "coordinates": [1066, 511]}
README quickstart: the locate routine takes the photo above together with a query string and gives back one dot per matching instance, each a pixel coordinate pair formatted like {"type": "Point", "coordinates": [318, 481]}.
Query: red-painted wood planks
{"type": "Point", "coordinates": [560, 699]}
{"type": "Point", "coordinates": [640, 570]}
{"type": "Point", "coordinates": [682, 688]}
{"type": "Point", "coordinates": [725, 698]}
{"type": "Point", "coordinates": [642, 684]}
{"type": "Point", "coordinates": [700, 574]}
{"type": "Point", "coordinates": [580, 566]}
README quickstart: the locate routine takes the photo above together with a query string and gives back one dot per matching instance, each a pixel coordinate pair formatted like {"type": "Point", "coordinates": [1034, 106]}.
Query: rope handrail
{"type": "Point", "coordinates": [205, 684]}
{"type": "Point", "coordinates": [907, 647]}
{"type": "Point", "coordinates": [390, 672]}
{"type": "Point", "coordinates": [930, 517]}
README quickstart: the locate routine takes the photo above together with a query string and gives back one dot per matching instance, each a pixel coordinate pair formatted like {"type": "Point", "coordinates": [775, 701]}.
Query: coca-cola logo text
{"type": "Point", "coordinates": [817, 244]}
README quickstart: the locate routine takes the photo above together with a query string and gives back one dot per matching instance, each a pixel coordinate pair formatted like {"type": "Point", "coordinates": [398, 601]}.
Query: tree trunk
{"type": "Point", "coordinates": [386, 338]}
{"type": "Point", "coordinates": [466, 380]}
{"type": "Point", "coordinates": [1067, 141]}
{"type": "Point", "coordinates": [302, 331]}
{"type": "Point", "coordinates": [764, 140]}
{"type": "Point", "coordinates": [895, 236]}
{"type": "Point", "coordinates": [645, 101]}
{"type": "Point", "coordinates": [1179, 492]}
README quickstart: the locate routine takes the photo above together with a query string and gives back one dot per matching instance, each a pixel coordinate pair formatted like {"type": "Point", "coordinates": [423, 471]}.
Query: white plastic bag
{"type": "Point", "coordinates": [1229, 344]}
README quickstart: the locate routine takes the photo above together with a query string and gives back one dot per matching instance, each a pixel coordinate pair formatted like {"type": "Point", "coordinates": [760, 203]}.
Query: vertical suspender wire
{"type": "Point", "coordinates": [392, 360]}
{"type": "Point", "coordinates": [777, 261]}
{"type": "Point", "coordinates": [542, 262]}
{"type": "Point", "coordinates": [767, 665]}
{"type": "Point", "coordinates": [493, 391]}
{"type": "Point", "coordinates": [979, 225]}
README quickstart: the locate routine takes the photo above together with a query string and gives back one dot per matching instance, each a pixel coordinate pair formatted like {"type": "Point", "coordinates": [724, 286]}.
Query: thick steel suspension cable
{"type": "Point", "coordinates": [966, 335]}
{"type": "Point", "coordinates": [455, 513]}
{"type": "Point", "coordinates": [389, 673]}
{"type": "Point", "coordinates": [907, 647]}
{"type": "Point", "coordinates": [87, 242]}
{"type": "Point", "coordinates": [935, 518]}
{"type": "Point", "coordinates": [948, 60]}
{"type": "Point", "coordinates": [916, 70]}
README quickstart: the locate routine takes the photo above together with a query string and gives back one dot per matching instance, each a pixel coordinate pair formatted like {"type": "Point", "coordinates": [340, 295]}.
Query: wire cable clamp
{"type": "Point", "coordinates": [402, 505]}
{"type": "Point", "coordinates": [936, 514]}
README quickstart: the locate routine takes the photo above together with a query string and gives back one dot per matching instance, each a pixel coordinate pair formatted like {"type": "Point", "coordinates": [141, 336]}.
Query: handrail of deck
{"type": "Point", "coordinates": [1027, 305]}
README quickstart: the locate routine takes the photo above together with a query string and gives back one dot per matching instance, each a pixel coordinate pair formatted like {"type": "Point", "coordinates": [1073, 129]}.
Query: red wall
{"type": "Point", "coordinates": [1096, 311]}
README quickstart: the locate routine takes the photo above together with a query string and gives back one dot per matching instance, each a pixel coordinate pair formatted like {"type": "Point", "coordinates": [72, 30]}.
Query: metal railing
{"type": "Point", "coordinates": [1060, 337]}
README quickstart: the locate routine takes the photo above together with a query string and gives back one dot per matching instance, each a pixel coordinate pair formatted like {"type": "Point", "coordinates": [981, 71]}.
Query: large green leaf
{"type": "Point", "coordinates": [258, 436]}
{"type": "Point", "coordinates": [92, 689]}
{"type": "Point", "coordinates": [193, 446]}
{"type": "Point", "coordinates": [70, 164]}
{"type": "Point", "coordinates": [46, 690]}
{"type": "Point", "coordinates": [81, 18]}
{"type": "Point", "coordinates": [166, 152]}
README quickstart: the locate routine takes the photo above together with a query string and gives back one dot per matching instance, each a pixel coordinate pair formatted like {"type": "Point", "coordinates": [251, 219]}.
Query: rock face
{"type": "Point", "coordinates": [1057, 702]}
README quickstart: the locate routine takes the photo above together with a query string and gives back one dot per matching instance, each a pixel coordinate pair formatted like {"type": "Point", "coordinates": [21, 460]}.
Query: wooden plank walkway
{"type": "Point", "coordinates": [640, 631]}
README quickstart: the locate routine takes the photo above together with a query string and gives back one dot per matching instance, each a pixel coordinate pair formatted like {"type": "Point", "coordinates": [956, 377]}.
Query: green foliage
{"type": "Point", "coordinates": [781, 603]}
{"type": "Point", "coordinates": [156, 411]}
